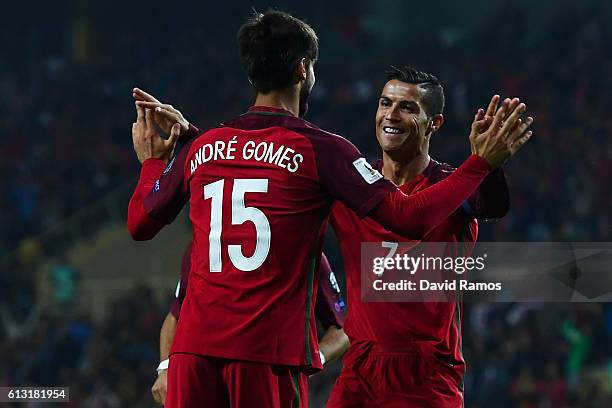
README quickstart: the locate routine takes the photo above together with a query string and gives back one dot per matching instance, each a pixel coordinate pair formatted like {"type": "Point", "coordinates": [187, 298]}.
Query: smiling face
{"type": "Point", "coordinates": [402, 125]}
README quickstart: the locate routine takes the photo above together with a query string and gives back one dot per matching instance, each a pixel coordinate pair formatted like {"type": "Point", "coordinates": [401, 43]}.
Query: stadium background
{"type": "Point", "coordinates": [81, 305]}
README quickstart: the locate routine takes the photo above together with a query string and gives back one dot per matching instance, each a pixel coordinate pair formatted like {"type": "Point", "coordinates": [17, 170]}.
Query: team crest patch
{"type": "Point", "coordinates": [366, 171]}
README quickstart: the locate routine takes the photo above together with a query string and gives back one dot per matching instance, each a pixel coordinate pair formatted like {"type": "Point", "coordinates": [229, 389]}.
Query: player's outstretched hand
{"type": "Point", "coordinates": [147, 141]}
{"type": "Point", "coordinates": [496, 137]}
{"type": "Point", "coordinates": [160, 387]}
{"type": "Point", "coordinates": [165, 115]}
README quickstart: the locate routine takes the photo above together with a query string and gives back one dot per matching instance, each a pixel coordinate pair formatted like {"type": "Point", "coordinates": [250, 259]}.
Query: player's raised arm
{"type": "Point", "coordinates": [492, 198]}
{"type": "Point", "coordinates": [160, 193]}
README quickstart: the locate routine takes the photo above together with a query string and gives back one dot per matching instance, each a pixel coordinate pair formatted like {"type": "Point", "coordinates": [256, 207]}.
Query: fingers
{"type": "Point", "coordinates": [166, 114]}
{"type": "Point", "coordinates": [482, 125]}
{"type": "Point", "coordinates": [154, 105]}
{"type": "Point", "coordinates": [514, 103]}
{"type": "Point", "coordinates": [141, 95]}
{"type": "Point", "coordinates": [519, 130]}
{"type": "Point", "coordinates": [149, 119]}
{"type": "Point", "coordinates": [155, 392]}
{"type": "Point", "coordinates": [140, 113]}
{"type": "Point", "coordinates": [516, 146]}
{"type": "Point", "coordinates": [510, 122]}
{"type": "Point", "coordinates": [175, 132]}
{"type": "Point", "coordinates": [500, 114]}
{"type": "Point", "coordinates": [492, 105]}
{"type": "Point", "coordinates": [479, 115]}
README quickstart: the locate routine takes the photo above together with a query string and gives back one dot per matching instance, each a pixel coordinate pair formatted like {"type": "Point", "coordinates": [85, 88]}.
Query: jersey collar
{"type": "Point", "coordinates": [267, 111]}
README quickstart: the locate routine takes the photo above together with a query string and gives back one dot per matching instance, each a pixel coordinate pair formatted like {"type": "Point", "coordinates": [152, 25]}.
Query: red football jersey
{"type": "Point", "coordinates": [260, 189]}
{"type": "Point", "coordinates": [330, 306]}
{"type": "Point", "coordinates": [434, 328]}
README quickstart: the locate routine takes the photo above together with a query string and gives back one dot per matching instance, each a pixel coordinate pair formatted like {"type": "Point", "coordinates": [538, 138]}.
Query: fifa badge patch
{"type": "Point", "coordinates": [366, 171]}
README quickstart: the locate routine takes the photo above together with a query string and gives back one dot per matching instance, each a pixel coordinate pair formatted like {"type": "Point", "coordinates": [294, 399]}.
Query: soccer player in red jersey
{"type": "Point", "coordinates": [260, 189]}
{"type": "Point", "coordinates": [329, 311]}
{"type": "Point", "coordinates": [409, 354]}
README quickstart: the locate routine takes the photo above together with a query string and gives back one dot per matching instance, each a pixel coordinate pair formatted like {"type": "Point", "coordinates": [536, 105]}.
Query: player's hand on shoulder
{"type": "Point", "coordinates": [499, 133]}
{"type": "Point", "coordinates": [165, 115]}
{"type": "Point", "coordinates": [147, 141]}
{"type": "Point", "coordinates": [160, 387]}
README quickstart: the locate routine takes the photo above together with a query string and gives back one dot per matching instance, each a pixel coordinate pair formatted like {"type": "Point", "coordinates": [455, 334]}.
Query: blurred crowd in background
{"type": "Point", "coordinates": [66, 115]}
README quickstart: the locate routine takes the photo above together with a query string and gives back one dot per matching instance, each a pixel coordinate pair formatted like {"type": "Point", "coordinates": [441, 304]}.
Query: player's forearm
{"type": "Point", "coordinates": [492, 199]}
{"type": "Point", "coordinates": [334, 343]}
{"type": "Point", "coordinates": [140, 224]}
{"type": "Point", "coordinates": [166, 335]}
{"type": "Point", "coordinates": [415, 215]}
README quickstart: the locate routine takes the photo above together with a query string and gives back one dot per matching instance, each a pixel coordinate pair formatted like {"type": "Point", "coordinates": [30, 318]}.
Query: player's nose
{"type": "Point", "coordinates": [392, 114]}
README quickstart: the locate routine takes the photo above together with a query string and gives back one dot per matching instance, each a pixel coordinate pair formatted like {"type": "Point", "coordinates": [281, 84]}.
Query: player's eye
{"type": "Point", "coordinates": [384, 102]}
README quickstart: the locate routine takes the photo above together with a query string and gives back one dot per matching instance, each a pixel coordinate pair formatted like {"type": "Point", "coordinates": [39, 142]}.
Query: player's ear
{"type": "Point", "coordinates": [301, 71]}
{"type": "Point", "coordinates": [436, 122]}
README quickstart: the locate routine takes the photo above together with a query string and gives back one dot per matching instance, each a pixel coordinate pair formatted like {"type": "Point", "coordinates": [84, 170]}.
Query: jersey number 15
{"type": "Point", "coordinates": [240, 215]}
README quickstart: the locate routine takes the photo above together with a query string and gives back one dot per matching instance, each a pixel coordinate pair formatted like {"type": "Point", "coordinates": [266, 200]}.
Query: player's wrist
{"type": "Point", "coordinates": [163, 366]}
{"type": "Point", "coordinates": [479, 162]}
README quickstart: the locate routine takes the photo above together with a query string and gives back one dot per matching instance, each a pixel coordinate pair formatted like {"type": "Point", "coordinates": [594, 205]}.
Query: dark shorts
{"type": "Point", "coordinates": [209, 382]}
{"type": "Point", "coordinates": [373, 378]}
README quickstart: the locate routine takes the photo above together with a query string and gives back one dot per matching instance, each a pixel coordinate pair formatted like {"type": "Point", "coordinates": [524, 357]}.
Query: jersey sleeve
{"type": "Point", "coordinates": [159, 196]}
{"type": "Point", "coordinates": [346, 175]}
{"type": "Point", "coordinates": [330, 307]}
{"type": "Point", "coordinates": [416, 215]}
{"type": "Point", "coordinates": [181, 288]}
{"type": "Point", "coordinates": [349, 178]}
{"type": "Point", "coordinates": [491, 200]}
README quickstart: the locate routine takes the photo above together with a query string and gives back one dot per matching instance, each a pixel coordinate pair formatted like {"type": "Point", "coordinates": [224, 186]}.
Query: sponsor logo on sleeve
{"type": "Point", "coordinates": [156, 186]}
{"type": "Point", "coordinates": [366, 171]}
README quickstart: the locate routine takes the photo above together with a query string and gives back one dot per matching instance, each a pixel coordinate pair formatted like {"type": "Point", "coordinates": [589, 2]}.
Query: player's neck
{"type": "Point", "coordinates": [401, 172]}
{"type": "Point", "coordinates": [288, 100]}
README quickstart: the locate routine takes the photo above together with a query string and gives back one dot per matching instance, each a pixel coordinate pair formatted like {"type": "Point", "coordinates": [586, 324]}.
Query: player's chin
{"type": "Point", "coordinates": [390, 142]}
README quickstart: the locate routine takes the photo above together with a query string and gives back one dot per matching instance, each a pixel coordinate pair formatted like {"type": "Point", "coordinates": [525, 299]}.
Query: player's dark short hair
{"type": "Point", "coordinates": [433, 97]}
{"type": "Point", "coordinates": [271, 46]}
